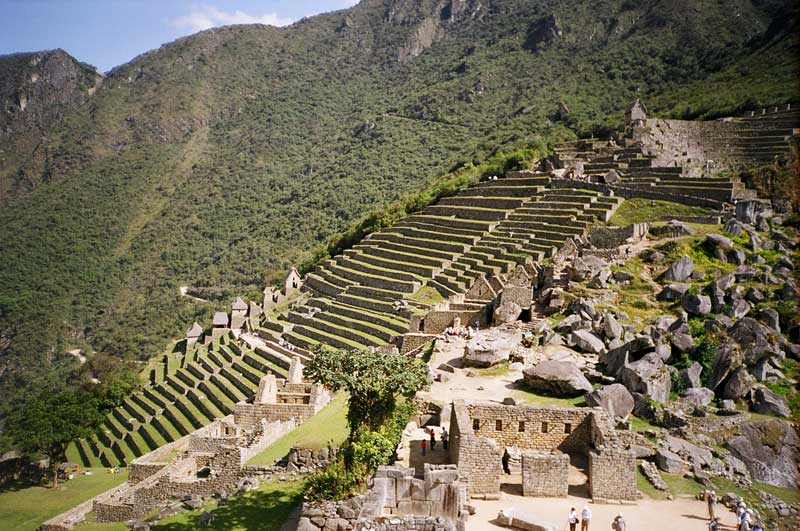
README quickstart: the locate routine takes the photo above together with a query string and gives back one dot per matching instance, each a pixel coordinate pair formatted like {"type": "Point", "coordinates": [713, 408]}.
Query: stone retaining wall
{"type": "Point", "coordinates": [545, 474]}
{"type": "Point", "coordinates": [612, 474]}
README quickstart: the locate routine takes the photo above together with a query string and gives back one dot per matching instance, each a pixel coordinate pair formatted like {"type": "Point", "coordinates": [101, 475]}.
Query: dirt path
{"type": "Point", "coordinates": [184, 292]}
{"type": "Point", "coordinates": [681, 514]}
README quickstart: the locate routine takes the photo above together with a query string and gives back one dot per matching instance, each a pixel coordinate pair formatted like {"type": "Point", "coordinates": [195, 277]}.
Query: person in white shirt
{"type": "Point", "coordinates": [572, 519]}
{"type": "Point", "coordinates": [586, 517]}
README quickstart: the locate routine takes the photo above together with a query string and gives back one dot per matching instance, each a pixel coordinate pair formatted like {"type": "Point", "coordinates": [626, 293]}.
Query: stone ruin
{"type": "Point", "coordinates": [212, 459]}
{"type": "Point", "coordinates": [396, 500]}
{"type": "Point", "coordinates": [481, 435]}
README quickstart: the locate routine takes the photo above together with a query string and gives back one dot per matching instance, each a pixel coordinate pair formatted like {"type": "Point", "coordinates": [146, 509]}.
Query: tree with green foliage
{"type": "Point", "coordinates": [373, 380]}
{"type": "Point", "coordinates": [49, 423]}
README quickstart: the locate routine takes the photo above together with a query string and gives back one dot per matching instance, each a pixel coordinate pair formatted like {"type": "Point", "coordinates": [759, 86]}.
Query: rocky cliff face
{"type": "Point", "coordinates": [36, 90]}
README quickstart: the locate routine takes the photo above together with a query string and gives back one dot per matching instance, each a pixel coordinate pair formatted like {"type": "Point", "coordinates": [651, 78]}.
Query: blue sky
{"type": "Point", "coordinates": [107, 33]}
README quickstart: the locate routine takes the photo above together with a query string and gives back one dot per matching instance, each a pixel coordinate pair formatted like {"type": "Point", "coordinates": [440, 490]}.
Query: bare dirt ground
{"type": "Point", "coordinates": [681, 514]}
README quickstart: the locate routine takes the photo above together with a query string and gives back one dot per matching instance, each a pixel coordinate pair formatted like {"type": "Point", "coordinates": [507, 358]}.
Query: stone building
{"type": "Point", "coordinates": [292, 284]}
{"type": "Point", "coordinates": [239, 310]}
{"type": "Point", "coordinates": [194, 334]}
{"type": "Point", "coordinates": [636, 114]}
{"type": "Point", "coordinates": [481, 435]}
{"type": "Point", "coordinates": [219, 325]}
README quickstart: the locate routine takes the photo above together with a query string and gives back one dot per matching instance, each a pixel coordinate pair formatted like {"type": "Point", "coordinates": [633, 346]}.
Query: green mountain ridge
{"type": "Point", "coordinates": [220, 159]}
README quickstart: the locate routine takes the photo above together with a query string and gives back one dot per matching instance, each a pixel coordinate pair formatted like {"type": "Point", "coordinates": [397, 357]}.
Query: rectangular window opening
{"type": "Point", "coordinates": [498, 425]}
{"type": "Point", "coordinates": [544, 427]}
{"type": "Point", "coordinates": [522, 425]}
{"type": "Point", "coordinates": [568, 428]}
{"type": "Point", "coordinates": [476, 424]}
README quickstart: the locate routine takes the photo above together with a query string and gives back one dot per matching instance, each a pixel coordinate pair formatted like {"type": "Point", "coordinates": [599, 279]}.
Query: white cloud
{"type": "Point", "coordinates": [205, 17]}
{"type": "Point", "coordinates": [350, 3]}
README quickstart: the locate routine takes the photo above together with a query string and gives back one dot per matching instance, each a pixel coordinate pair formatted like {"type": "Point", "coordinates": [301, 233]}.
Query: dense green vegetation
{"type": "Point", "coordinates": [220, 159]}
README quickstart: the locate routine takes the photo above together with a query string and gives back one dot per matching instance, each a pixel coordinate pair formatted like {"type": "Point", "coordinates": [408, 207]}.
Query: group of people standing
{"type": "Point", "coordinates": [424, 443]}
{"type": "Point", "coordinates": [745, 521]}
{"type": "Point", "coordinates": [585, 518]}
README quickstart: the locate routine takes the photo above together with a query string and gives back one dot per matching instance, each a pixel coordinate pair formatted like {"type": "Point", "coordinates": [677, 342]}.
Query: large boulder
{"type": "Point", "coordinates": [738, 385]}
{"type": "Point", "coordinates": [755, 340]}
{"type": "Point", "coordinates": [527, 520]}
{"type": "Point", "coordinates": [615, 399]}
{"type": "Point", "coordinates": [673, 292]}
{"type": "Point", "coordinates": [587, 342]}
{"type": "Point", "coordinates": [612, 329]}
{"type": "Point", "coordinates": [696, 304]}
{"type": "Point", "coordinates": [507, 312]}
{"type": "Point", "coordinates": [679, 271]}
{"type": "Point", "coordinates": [561, 378]}
{"type": "Point", "coordinates": [486, 351]}
{"type": "Point", "coordinates": [719, 241]}
{"type": "Point", "coordinates": [769, 403]}
{"type": "Point", "coordinates": [668, 461]}
{"type": "Point", "coordinates": [648, 376]}
{"type": "Point", "coordinates": [588, 267]}
{"type": "Point", "coordinates": [689, 452]}
{"type": "Point", "coordinates": [690, 377]}
{"type": "Point", "coordinates": [770, 449]}
{"type": "Point", "coordinates": [728, 358]}
{"type": "Point", "coordinates": [698, 396]}
{"type": "Point", "coordinates": [615, 359]}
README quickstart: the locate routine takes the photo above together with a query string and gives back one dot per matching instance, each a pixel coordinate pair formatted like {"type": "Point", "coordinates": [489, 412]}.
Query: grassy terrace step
{"type": "Point", "coordinates": [436, 232]}
{"type": "Point", "coordinates": [502, 191]}
{"type": "Point", "coordinates": [418, 241]}
{"type": "Point", "coordinates": [422, 252]}
{"type": "Point", "coordinates": [452, 221]}
{"type": "Point", "coordinates": [557, 218]}
{"type": "Point", "coordinates": [366, 303]}
{"type": "Point", "coordinates": [210, 409]}
{"type": "Point", "coordinates": [388, 322]}
{"type": "Point", "coordinates": [382, 253]}
{"type": "Point", "coordinates": [462, 212]}
{"type": "Point", "coordinates": [248, 373]}
{"type": "Point", "coordinates": [370, 329]}
{"type": "Point", "coordinates": [382, 282]}
{"type": "Point", "coordinates": [221, 401]}
{"type": "Point", "coordinates": [321, 286]}
{"type": "Point", "coordinates": [527, 226]}
{"type": "Point", "coordinates": [134, 410]}
{"type": "Point", "coordinates": [438, 227]}
{"type": "Point", "coordinates": [324, 337]}
{"type": "Point", "coordinates": [353, 261]}
{"type": "Point", "coordinates": [472, 201]}
{"type": "Point", "coordinates": [275, 348]}
{"type": "Point", "coordinates": [443, 290]}
{"type": "Point", "coordinates": [410, 265]}
{"type": "Point", "coordinates": [299, 340]}
{"type": "Point", "coordinates": [450, 284]}
{"type": "Point", "coordinates": [515, 181]}
{"type": "Point", "coordinates": [332, 278]}
{"type": "Point", "coordinates": [260, 364]}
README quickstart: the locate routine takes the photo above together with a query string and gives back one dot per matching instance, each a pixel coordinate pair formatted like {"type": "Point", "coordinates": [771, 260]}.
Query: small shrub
{"type": "Point", "coordinates": [336, 481]}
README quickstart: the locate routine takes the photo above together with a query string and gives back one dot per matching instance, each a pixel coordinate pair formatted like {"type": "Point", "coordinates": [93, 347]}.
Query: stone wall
{"type": "Point", "coordinates": [529, 428]}
{"type": "Point", "coordinates": [479, 459]}
{"type": "Point", "coordinates": [140, 471]}
{"type": "Point", "coordinates": [610, 237]}
{"type": "Point", "coordinates": [248, 415]}
{"type": "Point", "coordinates": [612, 474]}
{"type": "Point", "coordinates": [545, 474]}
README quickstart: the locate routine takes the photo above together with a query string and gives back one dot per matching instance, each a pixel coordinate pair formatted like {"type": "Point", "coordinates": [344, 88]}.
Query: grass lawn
{"type": "Point", "coordinates": [427, 295]}
{"type": "Point", "coordinates": [25, 508]}
{"type": "Point", "coordinates": [678, 485]}
{"type": "Point", "coordinates": [648, 210]}
{"type": "Point", "coordinates": [263, 509]}
{"type": "Point", "coordinates": [529, 398]}
{"type": "Point", "coordinates": [501, 369]}
{"type": "Point", "coordinates": [329, 426]}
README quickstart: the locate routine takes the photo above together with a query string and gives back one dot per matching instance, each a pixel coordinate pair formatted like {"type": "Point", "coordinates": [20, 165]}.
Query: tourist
{"type": "Point", "coordinates": [757, 527]}
{"type": "Point", "coordinates": [433, 439]}
{"type": "Point", "coordinates": [711, 500]}
{"type": "Point", "coordinates": [713, 525]}
{"type": "Point", "coordinates": [586, 517]}
{"type": "Point", "coordinates": [619, 523]}
{"type": "Point", "coordinates": [745, 520]}
{"type": "Point", "coordinates": [423, 444]}
{"type": "Point", "coordinates": [444, 438]}
{"type": "Point", "coordinates": [572, 519]}
{"type": "Point", "coordinates": [741, 508]}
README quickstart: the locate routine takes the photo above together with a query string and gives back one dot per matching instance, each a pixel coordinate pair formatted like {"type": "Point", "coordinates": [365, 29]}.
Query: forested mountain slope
{"type": "Point", "coordinates": [220, 159]}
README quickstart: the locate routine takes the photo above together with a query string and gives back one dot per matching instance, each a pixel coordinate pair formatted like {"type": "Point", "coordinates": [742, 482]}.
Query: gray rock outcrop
{"type": "Point", "coordinates": [770, 449]}
{"type": "Point", "coordinates": [615, 399]}
{"type": "Point", "coordinates": [561, 378]}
